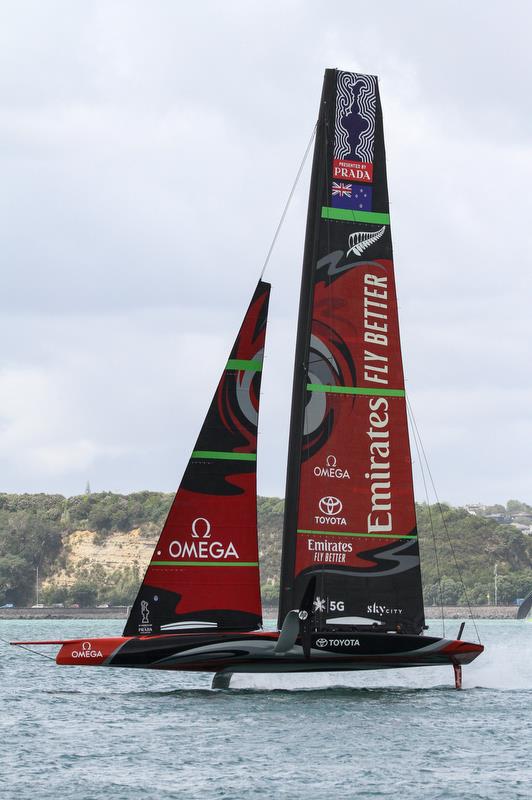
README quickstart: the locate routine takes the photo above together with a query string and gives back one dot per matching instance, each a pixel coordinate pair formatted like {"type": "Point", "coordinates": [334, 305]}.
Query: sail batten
{"type": "Point", "coordinates": [349, 513]}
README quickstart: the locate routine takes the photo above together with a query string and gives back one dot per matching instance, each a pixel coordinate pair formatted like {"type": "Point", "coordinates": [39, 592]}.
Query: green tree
{"type": "Point", "coordinates": [27, 542]}
{"type": "Point", "coordinates": [84, 593]}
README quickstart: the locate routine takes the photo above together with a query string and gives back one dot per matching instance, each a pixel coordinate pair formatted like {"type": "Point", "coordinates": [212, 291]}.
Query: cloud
{"type": "Point", "coordinates": [147, 153]}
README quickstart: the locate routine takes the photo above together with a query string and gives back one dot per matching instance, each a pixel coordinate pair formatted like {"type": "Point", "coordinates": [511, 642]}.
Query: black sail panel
{"type": "Point", "coordinates": [350, 514]}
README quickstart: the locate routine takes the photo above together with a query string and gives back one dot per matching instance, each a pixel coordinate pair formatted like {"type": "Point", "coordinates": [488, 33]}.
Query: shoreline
{"type": "Point", "coordinates": [121, 612]}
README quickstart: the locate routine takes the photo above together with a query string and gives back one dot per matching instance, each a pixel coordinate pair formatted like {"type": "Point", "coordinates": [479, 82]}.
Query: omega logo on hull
{"type": "Point", "coordinates": [87, 651]}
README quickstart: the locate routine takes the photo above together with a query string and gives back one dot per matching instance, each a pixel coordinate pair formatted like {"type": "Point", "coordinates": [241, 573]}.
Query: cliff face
{"type": "Point", "coordinates": [93, 549]}
{"type": "Point", "coordinates": [87, 550]}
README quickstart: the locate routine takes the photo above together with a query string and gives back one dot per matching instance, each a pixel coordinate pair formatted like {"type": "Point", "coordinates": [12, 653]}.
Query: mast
{"type": "Point", "coordinates": [349, 514]}
{"type": "Point", "coordinates": [297, 414]}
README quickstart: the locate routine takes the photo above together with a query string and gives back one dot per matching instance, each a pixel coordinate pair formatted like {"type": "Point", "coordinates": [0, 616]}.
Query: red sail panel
{"type": "Point", "coordinates": [350, 513]}
{"type": "Point", "coordinates": [204, 572]}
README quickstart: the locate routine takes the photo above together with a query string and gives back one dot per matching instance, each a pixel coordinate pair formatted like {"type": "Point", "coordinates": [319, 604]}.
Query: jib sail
{"type": "Point", "coordinates": [350, 514]}
{"type": "Point", "coordinates": [204, 572]}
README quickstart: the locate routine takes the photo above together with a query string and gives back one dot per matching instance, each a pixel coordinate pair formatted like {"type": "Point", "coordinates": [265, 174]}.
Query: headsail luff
{"type": "Point", "coordinates": [350, 514]}
{"type": "Point", "coordinates": [204, 572]}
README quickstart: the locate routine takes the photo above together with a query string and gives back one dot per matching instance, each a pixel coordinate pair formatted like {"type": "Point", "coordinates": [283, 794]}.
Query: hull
{"type": "Point", "coordinates": [255, 652]}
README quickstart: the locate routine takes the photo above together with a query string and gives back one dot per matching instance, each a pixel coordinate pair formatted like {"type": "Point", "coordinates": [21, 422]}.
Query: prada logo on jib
{"type": "Point", "coordinates": [202, 545]}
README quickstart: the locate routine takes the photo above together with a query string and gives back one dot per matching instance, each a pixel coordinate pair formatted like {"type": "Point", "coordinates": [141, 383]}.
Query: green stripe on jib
{"type": "Point", "coordinates": [360, 535]}
{"type": "Point", "coordinates": [204, 563]}
{"type": "Point", "coordinates": [349, 215]}
{"type": "Point", "coordinates": [244, 364]}
{"type": "Point", "coordinates": [223, 455]}
{"type": "Point", "coordinates": [323, 387]}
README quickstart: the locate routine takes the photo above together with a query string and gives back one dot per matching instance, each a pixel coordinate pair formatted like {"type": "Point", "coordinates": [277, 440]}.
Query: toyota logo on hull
{"type": "Point", "coordinates": [330, 505]}
{"type": "Point", "coordinates": [344, 642]}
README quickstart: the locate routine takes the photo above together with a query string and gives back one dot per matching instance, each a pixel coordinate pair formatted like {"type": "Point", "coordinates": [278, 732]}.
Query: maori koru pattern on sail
{"type": "Point", "coordinates": [354, 124]}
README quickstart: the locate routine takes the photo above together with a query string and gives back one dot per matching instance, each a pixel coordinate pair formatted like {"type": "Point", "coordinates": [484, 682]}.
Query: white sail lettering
{"type": "Point", "coordinates": [375, 293]}
{"type": "Point", "coordinates": [376, 280]}
{"type": "Point", "coordinates": [380, 498]}
{"type": "Point", "coordinates": [175, 549]}
{"type": "Point", "coordinates": [217, 549]}
{"type": "Point", "coordinates": [377, 421]}
{"type": "Point", "coordinates": [375, 526]}
{"type": "Point", "coordinates": [368, 356]}
{"type": "Point", "coordinates": [202, 550]}
{"type": "Point", "coordinates": [380, 517]}
{"type": "Point", "coordinates": [381, 448]}
{"type": "Point", "coordinates": [375, 332]}
{"type": "Point", "coordinates": [231, 551]}
{"type": "Point", "coordinates": [375, 338]}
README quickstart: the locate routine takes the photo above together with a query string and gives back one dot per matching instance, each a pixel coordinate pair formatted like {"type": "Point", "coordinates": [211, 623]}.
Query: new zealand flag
{"type": "Point", "coordinates": [351, 196]}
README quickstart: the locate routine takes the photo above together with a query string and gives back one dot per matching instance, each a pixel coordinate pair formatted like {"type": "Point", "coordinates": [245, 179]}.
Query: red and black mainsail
{"type": "Point", "coordinates": [350, 515]}
{"type": "Point", "coordinates": [204, 572]}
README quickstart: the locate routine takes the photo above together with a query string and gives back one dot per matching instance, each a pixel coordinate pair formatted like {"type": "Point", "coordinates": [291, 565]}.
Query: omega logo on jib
{"type": "Point", "coordinates": [201, 546]}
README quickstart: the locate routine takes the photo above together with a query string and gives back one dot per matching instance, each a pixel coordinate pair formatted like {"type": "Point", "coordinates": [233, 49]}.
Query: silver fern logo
{"type": "Point", "coordinates": [361, 240]}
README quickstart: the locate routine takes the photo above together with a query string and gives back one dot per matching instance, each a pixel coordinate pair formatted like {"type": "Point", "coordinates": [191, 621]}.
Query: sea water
{"type": "Point", "coordinates": [81, 733]}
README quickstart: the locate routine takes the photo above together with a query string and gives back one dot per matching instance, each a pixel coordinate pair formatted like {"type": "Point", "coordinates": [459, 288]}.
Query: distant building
{"type": "Point", "coordinates": [526, 529]}
{"type": "Point", "coordinates": [476, 509]}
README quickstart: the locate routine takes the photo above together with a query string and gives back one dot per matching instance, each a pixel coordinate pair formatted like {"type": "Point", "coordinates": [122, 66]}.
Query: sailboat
{"type": "Point", "coordinates": [350, 584]}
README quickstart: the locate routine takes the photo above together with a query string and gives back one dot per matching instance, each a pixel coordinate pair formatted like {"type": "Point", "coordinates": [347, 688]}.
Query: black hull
{"type": "Point", "coordinates": [254, 652]}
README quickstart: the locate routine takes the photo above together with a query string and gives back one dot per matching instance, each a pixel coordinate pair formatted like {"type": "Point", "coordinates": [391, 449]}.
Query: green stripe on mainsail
{"type": "Point", "coordinates": [348, 215]}
{"type": "Point", "coordinates": [324, 387]}
{"type": "Point", "coordinates": [204, 563]}
{"type": "Point", "coordinates": [361, 535]}
{"type": "Point", "coordinates": [244, 364]}
{"type": "Point", "coordinates": [224, 456]}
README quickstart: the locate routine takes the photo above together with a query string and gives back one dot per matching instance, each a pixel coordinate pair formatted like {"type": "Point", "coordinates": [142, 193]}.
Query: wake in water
{"type": "Point", "coordinates": [506, 664]}
{"type": "Point", "coordinates": [507, 660]}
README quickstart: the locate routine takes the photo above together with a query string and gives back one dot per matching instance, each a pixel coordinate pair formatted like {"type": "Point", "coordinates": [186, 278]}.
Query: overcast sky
{"type": "Point", "coordinates": [146, 153]}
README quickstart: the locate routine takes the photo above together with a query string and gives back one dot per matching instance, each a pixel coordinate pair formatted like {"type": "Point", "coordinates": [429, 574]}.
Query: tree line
{"type": "Point", "coordinates": [459, 550]}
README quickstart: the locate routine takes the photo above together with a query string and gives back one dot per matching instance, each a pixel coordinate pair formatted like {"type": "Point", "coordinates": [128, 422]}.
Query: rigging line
{"type": "Point", "coordinates": [434, 541]}
{"type": "Point", "coordinates": [287, 204]}
{"type": "Point", "coordinates": [23, 647]}
{"type": "Point", "coordinates": [449, 539]}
